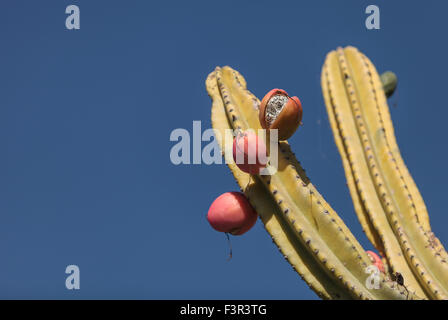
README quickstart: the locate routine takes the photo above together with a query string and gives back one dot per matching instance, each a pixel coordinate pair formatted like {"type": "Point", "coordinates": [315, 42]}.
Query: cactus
{"type": "Point", "coordinates": [308, 232]}
{"type": "Point", "coordinates": [386, 199]}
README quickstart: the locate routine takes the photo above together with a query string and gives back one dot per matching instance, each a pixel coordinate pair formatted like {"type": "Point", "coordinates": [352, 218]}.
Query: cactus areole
{"type": "Point", "coordinates": [280, 111]}
{"type": "Point", "coordinates": [231, 212]}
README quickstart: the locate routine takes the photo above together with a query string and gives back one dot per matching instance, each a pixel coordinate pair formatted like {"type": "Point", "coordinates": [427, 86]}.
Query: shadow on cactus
{"type": "Point", "coordinates": [412, 263]}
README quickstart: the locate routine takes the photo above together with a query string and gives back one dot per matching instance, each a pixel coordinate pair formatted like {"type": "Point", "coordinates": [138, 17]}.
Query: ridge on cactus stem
{"type": "Point", "coordinates": [232, 213]}
{"type": "Point", "coordinates": [280, 111]}
{"type": "Point", "coordinates": [249, 152]}
{"type": "Point", "coordinates": [376, 260]}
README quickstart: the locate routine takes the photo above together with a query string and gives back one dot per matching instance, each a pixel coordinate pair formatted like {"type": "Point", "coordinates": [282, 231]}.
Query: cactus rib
{"type": "Point", "coordinates": [301, 219]}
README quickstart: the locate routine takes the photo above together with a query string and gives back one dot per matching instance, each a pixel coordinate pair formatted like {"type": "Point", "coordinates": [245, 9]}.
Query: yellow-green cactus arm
{"type": "Point", "coordinates": [355, 96]}
{"type": "Point", "coordinates": [335, 262]}
{"type": "Point", "coordinates": [359, 206]}
{"type": "Point", "coordinates": [336, 99]}
{"type": "Point", "coordinates": [403, 211]}
{"type": "Point", "coordinates": [281, 234]}
{"type": "Point", "coordinates": [388, 83]}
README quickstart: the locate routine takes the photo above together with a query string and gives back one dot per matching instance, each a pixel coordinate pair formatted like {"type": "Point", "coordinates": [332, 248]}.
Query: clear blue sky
{"type": "Point", "coordinates": [85, 119]}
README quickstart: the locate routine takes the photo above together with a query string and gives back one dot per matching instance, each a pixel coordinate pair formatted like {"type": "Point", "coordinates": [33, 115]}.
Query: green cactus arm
{"type": "Point", "coordinates": [355, 96]}
{"type": "Point", "coordinates": [331, 246]}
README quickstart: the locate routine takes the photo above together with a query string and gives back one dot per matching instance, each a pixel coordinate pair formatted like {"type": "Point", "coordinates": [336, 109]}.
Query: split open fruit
{"type": "Point", "coordinates": [280, 111]}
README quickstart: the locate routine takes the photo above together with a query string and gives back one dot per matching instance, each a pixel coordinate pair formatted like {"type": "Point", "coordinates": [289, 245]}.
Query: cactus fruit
{"type": "Point", "coordinates": [389, 81]}
{"type": "Point", "coordinates": [308, 232]}
{"type": "Point", "coordinates": [249, 152]}
{"type": "Point", "coordinates": [280, 111]}
{"type": "Point", "coordinates": [376, 261]}
{"type": "Point", "coordinates": [232, 213]}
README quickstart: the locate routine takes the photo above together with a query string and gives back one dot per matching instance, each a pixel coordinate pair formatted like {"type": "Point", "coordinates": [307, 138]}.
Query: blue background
{"type": "Point", "coordinates": [85, 119]}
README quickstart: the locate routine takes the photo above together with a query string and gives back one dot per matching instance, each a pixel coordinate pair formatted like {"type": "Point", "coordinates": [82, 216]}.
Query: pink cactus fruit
{"type": "Point", "coordinates": [232, 213]}
{"type": "Point", "coordinates": [249, 152]}
{"type": "Point", "coordinates": [376, 260]}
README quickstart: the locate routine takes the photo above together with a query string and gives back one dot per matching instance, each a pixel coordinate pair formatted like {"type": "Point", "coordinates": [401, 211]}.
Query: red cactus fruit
{"type": "Point", "coordinates": [376, 260]}
{"type": "Point", "coordinates": [231, 212]}
{"type": "Point", "coordinates": [249, 152]}
{"type": "Point", "coordinates": [280, 111]}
